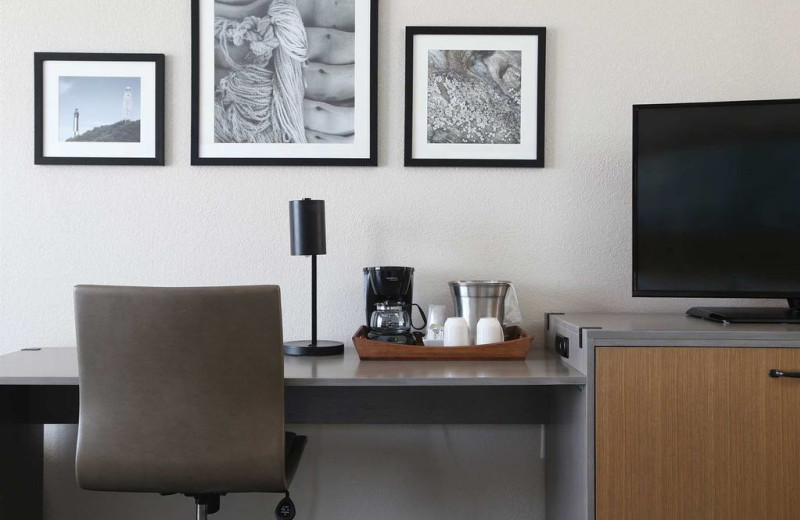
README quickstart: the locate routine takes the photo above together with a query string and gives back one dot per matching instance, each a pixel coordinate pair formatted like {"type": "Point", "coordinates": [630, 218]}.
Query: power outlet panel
{"type": "Point", "coordinates": [562, 346]}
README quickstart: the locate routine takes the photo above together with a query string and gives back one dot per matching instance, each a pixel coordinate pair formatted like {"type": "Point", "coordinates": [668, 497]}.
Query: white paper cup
{"type": "Point", "coordinates": [488, 331]}
{"type": "Point", "coordinates": [456, 332]}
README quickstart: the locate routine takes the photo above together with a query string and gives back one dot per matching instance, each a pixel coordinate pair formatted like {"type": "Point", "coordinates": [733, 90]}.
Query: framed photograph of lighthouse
{"type": "Point", "coordinates": [99, 109]}
{"type": "Point", "coordinates": [284, 82]}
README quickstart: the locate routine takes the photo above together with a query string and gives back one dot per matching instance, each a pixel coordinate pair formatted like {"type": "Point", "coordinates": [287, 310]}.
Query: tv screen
{"type": "Point", "coordinates": [716, 199]}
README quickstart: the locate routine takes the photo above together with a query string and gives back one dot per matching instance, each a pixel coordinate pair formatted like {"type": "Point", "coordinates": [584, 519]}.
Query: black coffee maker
{"type": "Point", "coordinates": [388, 291]}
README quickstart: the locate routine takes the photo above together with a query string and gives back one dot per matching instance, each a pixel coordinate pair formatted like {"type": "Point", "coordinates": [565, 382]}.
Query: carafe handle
{"type": "Point", "coordinates": [424, 318]}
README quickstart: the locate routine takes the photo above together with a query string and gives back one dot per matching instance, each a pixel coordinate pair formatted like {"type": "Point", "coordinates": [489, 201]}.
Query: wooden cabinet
{"type": "Point", "coordinates": [696, 433]}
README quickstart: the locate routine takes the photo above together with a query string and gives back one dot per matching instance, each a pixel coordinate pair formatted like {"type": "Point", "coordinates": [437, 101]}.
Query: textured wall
{"type": "Point", "coordinates": [562, 234]}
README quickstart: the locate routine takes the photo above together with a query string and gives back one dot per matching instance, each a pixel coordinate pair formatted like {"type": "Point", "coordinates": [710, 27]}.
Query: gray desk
{"type": "Point", "coordinates": [40, 387]}
{"type": "Point", "coordinates": [59, 366]}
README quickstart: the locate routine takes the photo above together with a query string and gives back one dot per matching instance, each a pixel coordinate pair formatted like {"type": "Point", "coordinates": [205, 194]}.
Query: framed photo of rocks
{"type": "Point", "coordinates": [104, 109]}
{"type": "Point", "coordinates": [475, 96]}
{"type": "Point", "coordinates": [284, 82]}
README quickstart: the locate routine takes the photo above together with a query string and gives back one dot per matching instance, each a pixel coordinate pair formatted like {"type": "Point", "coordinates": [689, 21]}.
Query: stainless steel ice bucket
{"type": "Point", "coordinates": [476, 299]}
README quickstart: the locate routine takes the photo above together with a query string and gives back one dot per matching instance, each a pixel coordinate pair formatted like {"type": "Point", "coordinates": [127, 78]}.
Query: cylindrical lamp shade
{"type": "Point", "coordinates": [307, 223]}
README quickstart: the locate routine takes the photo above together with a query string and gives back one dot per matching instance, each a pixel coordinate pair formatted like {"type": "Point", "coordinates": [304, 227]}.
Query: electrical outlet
{"type": "Point", "coordinates": [562, 345]}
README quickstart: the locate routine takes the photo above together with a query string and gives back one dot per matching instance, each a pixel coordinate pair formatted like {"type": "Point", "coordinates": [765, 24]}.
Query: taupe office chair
{"type": "Point", "coordinates": [181, 391]}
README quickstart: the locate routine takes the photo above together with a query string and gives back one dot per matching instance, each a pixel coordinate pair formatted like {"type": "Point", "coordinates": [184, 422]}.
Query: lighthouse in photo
{"type": "Point", "coordinates": [127, 104]}
{"type": "Point", "coordinates": [99, 109]}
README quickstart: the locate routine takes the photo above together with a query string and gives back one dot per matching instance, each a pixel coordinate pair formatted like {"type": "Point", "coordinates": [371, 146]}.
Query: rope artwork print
{"type": "Point", "coordinates": [284, 71]}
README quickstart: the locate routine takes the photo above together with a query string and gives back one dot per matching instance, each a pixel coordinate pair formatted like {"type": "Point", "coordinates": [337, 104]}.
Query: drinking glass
{"type": "Point", "coordinates": [437, 315]}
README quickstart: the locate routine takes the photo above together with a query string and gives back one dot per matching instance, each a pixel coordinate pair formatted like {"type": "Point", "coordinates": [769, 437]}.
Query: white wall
{"type": "Point", "coordinates": [562, 233]}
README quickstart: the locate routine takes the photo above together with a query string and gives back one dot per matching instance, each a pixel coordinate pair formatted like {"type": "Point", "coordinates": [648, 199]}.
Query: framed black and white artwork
{"type": "Point", "coordinates": [105, 109]}
{"type": "Point", "coordinates": [284, 82]}
{"type": "Point", "coordinates": [475, 96]}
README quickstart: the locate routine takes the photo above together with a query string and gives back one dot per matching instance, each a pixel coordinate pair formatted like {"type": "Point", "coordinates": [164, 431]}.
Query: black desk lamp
{"type": "Point", "coordinates": [307, 222]}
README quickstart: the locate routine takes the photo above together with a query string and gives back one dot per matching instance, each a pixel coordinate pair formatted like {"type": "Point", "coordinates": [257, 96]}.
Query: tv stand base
{"type": "Point", "coordinates": [747, 314]}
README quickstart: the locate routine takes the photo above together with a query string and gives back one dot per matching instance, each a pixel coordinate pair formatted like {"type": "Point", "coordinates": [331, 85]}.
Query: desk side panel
{"type": "Point", "coordinates": [566, 451]}
{"type": "Point", "coordinates": [21, 459]}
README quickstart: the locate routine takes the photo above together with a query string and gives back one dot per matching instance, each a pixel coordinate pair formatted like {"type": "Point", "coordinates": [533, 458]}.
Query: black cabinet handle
{"type": "Point", "coordinates": [779, 373]}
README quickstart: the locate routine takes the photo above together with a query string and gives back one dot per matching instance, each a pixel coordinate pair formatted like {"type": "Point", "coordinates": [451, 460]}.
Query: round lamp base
{"type": "Point", "coordinates": [306, 348]}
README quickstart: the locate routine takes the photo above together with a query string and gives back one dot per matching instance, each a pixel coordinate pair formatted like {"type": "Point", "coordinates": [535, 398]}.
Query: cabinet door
{"type": "Point", "coordinates": [697, 433]}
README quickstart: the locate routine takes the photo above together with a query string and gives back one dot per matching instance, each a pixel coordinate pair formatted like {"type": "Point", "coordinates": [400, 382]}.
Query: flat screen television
{"type": "Point", "coordinates": [716, 205]}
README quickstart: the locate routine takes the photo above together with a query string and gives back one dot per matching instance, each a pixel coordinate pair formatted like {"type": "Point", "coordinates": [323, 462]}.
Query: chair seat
{"type": "Point", "coordinates": [295, 444]}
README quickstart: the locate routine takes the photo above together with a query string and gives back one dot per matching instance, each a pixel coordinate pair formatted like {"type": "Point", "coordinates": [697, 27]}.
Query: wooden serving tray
{"type": "Point", "coordinates": [514, 348]}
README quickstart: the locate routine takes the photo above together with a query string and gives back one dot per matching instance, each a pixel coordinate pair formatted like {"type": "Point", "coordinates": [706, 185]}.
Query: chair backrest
{"type": "Point", "coordinates": [181, 389]}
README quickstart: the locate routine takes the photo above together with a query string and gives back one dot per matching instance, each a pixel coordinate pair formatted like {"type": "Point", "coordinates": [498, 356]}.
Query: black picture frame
{"type": "Point", "coordinates": [538, 160]}
{"type": "Point", "coordinates": [40, 58]}
{"type": "Point", "coordinates": [372, 160]}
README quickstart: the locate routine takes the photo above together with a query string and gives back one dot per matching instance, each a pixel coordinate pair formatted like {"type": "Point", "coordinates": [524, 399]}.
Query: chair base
{"type": "Point", "coordinates": [295, 445]}
{"type": "Point", "coordinates": [206, 504]}
{"type": "Point", "coordinates": [306, 348]}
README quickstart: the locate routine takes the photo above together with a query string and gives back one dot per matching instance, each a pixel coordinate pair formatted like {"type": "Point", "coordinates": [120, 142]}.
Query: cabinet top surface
{"type": "Point", "coordinates": [629, 325]}
{"type": "Point", "coordinates": [59, 366]}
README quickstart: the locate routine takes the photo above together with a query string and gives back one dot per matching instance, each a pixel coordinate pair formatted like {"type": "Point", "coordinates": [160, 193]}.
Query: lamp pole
{"type": "Point", "coordinates": [313, 299]}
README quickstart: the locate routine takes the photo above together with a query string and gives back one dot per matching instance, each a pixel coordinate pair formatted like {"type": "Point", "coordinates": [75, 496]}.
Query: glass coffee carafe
{"type": "Point", "coordinates": [391, 322]}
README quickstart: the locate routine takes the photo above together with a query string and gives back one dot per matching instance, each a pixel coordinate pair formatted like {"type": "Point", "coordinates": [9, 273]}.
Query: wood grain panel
{"type": "Point", "coordinates": [697, 433]}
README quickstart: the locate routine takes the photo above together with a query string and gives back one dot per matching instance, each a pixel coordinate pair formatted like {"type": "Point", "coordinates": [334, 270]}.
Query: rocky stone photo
{"type": "Point", "coordinates": [474, 96]}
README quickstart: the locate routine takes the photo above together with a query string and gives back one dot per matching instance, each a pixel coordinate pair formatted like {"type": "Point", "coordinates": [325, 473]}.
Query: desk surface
{"type": "Point", "coordinates": [59, 366]}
